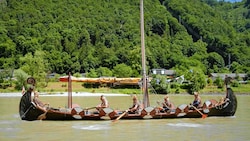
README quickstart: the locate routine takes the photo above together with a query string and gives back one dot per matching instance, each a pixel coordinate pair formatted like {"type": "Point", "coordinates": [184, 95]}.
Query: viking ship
{"type": "Point", "coordinates": [30, 111]}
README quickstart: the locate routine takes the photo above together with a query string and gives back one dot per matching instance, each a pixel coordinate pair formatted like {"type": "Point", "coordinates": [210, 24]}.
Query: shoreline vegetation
{"type": "Point", "coordinates": [57, 87]}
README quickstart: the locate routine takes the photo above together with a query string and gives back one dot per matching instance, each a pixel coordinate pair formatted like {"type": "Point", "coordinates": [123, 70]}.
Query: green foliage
{"type": "Point", "coordinates": [215, 62]}
{"type": "Point", "coordinates": [34, 65]}
{"type": "Point", "coordinates": [92, 74]}
{"type": "Point", "coordinates": [6, 78]}
{"type": "Point", "coordinates": [77, 74]}
{"type": "Point", "coordinates": [122, 70]}
{"type": "Point", "coordinates": [235, 83]}
{"type": "Point", "coordinates": [214, 26]}
{"type": "Point", "coordinates": [21, 78]}
{"type": "Point", "coordinates": [210, 81]}
{"type": "Point", "coordinates": [104, 71]}
{"type": "Point", "coordinates": [91, 85]}
{"type": "Point", "coordinates": [54, 79]}
{"type": "Point", "coordinates": [219, 82]}
{"type": "Point", "coordinates": [97, 37]}
{"type": "Point", "coordinates": [160, 84]}
{"type": "Point", "coordinates": [4, 85]}
{"type": "Point", "coordinates": [198, 81]}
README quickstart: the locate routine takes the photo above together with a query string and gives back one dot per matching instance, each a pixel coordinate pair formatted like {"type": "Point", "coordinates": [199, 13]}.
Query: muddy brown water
{"type": "Point", "coordinates": [235, 128]}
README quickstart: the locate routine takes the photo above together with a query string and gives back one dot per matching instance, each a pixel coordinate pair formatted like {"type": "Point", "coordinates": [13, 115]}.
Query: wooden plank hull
{"type": "Point", "coordinates": [58, 115]}
{"type": "Point", "coordinates": [73, 114]}
{"type": "Point", "coordinates": [116, 114]}
{"type": "Point", "coordinates": [210, 108]}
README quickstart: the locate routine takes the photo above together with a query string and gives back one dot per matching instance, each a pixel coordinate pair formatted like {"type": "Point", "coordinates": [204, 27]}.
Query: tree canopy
{"type": "Point", "coordinates": [104, 36]}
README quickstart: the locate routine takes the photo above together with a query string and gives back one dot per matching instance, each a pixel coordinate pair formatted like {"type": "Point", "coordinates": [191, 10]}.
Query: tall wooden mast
{"type": "Point", "coordinates": [144, 78]}
{"type": "Point", "coordinates": [69, 91]}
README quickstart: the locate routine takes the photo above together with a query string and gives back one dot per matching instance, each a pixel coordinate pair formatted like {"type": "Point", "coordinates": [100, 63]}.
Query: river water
{"type": "Point", "coordinates": [234, 128]}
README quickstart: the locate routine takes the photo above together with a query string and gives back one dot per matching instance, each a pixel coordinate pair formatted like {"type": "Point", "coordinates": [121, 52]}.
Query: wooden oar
{"type": "Point", "coordinates": [203, 115]}
{"type": "Point", "coordinates": [89, 108]}
{"type": "Point", "coordinates": [124, 113]}
{"type": "Point", "coordinates": [164, 105]}
{"type": "Point", "coordinates": [42, 116]}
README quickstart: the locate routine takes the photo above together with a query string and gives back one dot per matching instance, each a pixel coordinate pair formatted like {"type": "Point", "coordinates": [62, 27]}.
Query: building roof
{"type": "Point", "coordinates": [163, 71]}
{"type": "Point", "coordinates": [232, 75]}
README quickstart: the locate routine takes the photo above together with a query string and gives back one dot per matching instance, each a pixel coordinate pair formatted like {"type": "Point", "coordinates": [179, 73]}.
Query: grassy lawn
{"type": "Point", "coordinates": [77, 87]}
{"type": "Point", "coordinates": [242, 89]}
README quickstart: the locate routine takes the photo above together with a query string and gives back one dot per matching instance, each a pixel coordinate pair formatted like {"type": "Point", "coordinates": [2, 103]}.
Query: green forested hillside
{"type": "Point", "coordinates": [100, 37]}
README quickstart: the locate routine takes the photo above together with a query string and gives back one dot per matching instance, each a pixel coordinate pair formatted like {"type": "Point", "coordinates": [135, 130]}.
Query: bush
{"type": "Point", "coordinates": [160, 84]}
{"type": "Point", "coordinates": [210, 81]}
{"type": "Point", "coordinates": [218, 82]}
{"type": "Point", "coordinates": [235, 83]}
{"type": "Point", "coordinates": [177, 91]}
{"type": "Point", "coordinates": [175, 85]}
{"type": "Point", "coordinates": [185, 86]}
{"type": "Point", "coordinates": [91, 85]}
{"type": "Point", "coordinates": [42, 84]}
{"type": "Point", "coordinates": [64, 85]}
{"type": "Point", "coordinates": [4, 85]}
{"type": "Point", "coordinates": [21, 77]}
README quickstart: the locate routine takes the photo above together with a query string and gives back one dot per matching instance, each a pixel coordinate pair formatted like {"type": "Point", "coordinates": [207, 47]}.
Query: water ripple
{"type": "Point", "coordinates": [91, 127]}
{"type": "Point", "coordinates": [192, 125]}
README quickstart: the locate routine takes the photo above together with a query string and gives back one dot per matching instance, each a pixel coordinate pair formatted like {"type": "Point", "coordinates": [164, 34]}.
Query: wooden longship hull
{"type": "Point", "coordinates": [115, 114]}
{"type": "Point", "coordinates": [77, 113]}
{"type": "Point", "coordinates": [210, 108]}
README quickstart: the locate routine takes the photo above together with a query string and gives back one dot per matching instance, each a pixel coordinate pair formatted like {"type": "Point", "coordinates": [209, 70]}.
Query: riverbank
{"type": "Point", "coordinates": [64, 94]}
{"type": "Point", "coordinates": [62, 87]}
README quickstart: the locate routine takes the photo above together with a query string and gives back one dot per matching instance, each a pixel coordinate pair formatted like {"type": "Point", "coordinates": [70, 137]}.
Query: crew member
{"type": "Point", "coordinates": [135, 107]}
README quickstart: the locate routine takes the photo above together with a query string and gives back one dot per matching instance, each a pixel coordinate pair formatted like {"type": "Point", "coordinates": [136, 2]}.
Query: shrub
{"type": "Point", "coordinates": [160, 84]}
{"type": "Point", "coordinates": [235, 83]}
{"type": "Point", "coordinates": [210, 81]}
{"type": "Point", "coordinates": [219, 82]}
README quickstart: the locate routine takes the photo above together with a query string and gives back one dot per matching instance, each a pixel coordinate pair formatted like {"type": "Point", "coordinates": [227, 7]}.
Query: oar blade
{"type": "Point", "coordinates": [204, 116]}
{"type": "Point", "coordinates": [42, 116]}
{"type": "Point", "coordinates": [120, 116]}
{"type": "Point", "coordinates": [77, 116]}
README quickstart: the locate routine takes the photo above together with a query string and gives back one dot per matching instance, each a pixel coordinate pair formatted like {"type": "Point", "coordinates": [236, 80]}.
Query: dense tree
{"type": "Point", "coordinates": [21, 77]}
{"type": "Point", "coordinates": [122, 70]}
{"type": "Point", "coordinates": [35, 66]}
{"type": "Point", "coordinates": [92, 73]}
{"type": "Point", "coordinates": [82, 36]}
{"type": "Point", "coordinates": [104, 71]}
{"type": "Point", "coordinates": [160, 84]}
{"type": "Point", "coordinates": [215, 61]}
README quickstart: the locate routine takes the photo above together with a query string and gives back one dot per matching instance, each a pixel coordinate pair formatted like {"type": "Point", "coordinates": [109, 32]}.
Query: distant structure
{"type": "Point", "coordinates": [243, 76]}
{"type": "Point", "coordinates": [169, 73]}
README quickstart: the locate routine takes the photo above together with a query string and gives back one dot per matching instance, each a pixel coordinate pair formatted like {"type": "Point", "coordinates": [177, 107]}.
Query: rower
{"type": "Point", "coordinates": [104, 103]}
{"type": "Point", "coordinates": [39, 103]}
{"type": "Point", "coordinates": [222, 101]}
{"type": "Point", "coordinates": [196, 102]}
{"type": "Point", "coordinates": [167, 105]}
{"type": "Point", "coordinates": [135, 107]}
